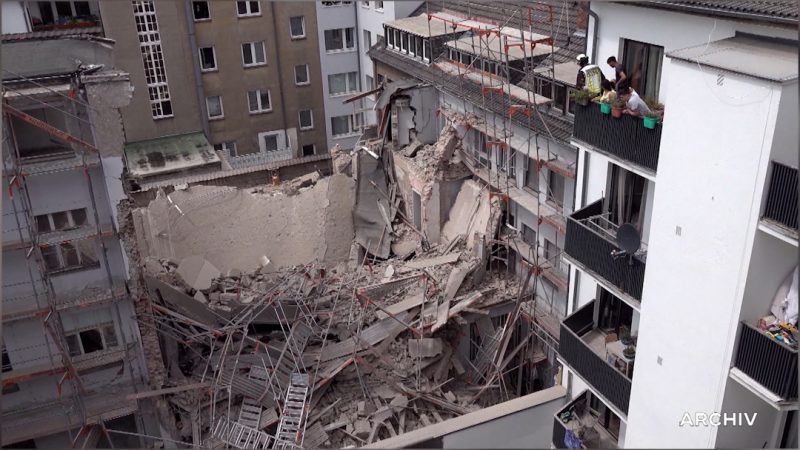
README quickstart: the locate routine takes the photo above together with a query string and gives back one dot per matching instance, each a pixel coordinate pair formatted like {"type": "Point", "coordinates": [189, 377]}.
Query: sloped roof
{"type": "Point", "coordinates": [776, 11]}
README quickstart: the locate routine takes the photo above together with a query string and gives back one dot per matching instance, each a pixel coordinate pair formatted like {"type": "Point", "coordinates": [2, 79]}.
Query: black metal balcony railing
{"type": "Point", "coordinates": [781, 203]}
{"type": "Point", "coordinates": [626, 137]}
{"type": "Point", "coordinates": [592, 248]}
{"type": "Point", "coordinates": [767, 361]}
{"type": "Point", "coordinates": [601, 375]}
{"type": "Point", "coordinates": [559, 432]}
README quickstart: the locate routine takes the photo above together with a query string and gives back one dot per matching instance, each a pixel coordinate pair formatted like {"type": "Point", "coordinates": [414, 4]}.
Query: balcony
{"type": "Point", "coordinates": [575, 416]}
{"type": "Point", "coordinates": [584, 349]}
{"type": "Point", "coordinates": [257, 158]}
{"type": "Point", "coordinates": [590, 241]}
{"type": "Point", "coordinates": [770, 363]}
{"type": "Point", "coordinates": [780, 210]}
{"type": "Point", "coordinates": [625, 138]}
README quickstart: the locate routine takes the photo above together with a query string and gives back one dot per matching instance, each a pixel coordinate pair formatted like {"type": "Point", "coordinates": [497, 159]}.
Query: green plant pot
{"type": "Point", "coordinates": [605, 108]}
{"type": "Point", "coordinates": [650, 122]}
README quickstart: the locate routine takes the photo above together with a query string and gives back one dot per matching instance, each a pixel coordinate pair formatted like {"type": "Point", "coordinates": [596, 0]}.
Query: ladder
{"type": "Point", "coordinates": [292, 424]}
{"type": "Point", "coordinates": [240, 436]}
{"type": "Point", "coordinates": [250, 413]}
{"type": "Point", "coordinates": [291, 358]}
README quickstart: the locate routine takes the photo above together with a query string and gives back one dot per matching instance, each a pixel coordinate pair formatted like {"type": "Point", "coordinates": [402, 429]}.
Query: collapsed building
{"type": "Point", "coordinates": [342, 310]}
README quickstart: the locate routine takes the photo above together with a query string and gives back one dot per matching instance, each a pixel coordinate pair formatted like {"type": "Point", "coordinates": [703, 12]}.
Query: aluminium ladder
{"type": "Point", "coordinates": [292, 424]}
{"type": "Point", "coordinates": [240, 436]}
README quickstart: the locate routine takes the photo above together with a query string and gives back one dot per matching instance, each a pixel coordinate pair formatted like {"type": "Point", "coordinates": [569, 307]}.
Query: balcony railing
{"type": "Point", "coordinates": [767, 361]}
{"type": "Point", "coordinates": [625, 138]}
{"type": "Point", "coordinates": [590, 242]}
{"type": "Point", "coordinates": [257, 158]}
{"type": "Point", "coordinates": [781, 203]}
{"type": "Point", "coordinates": [602, 376]}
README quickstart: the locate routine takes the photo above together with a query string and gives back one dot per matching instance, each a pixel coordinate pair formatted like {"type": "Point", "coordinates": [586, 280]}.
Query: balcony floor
{"type": "Point", "coordinates": [765, 394]}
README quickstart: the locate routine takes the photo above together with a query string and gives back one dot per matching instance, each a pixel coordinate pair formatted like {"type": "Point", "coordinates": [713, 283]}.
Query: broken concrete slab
{"type": "Point", "coordinates": [410, 302]}
{"type": "Point", "coordinates": [430, 262]}
{"type": "Point", "coordinates": [362, 428]}
{"type": "Point", "coordinates": [197, 272]}
{"type": "Point", "coordinates": [425, 347]}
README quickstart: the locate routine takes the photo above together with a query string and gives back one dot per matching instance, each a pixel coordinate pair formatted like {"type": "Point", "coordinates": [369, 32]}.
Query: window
{"type": "Point", "coordinates": [301, 76]}
{"type": "Point", "coordinates": [404, 42]}
{"type": "Point", "coordinates": [59, 221]}
{"type": "Point", "coordinates": [259, 101]}
{"type": "Point", "coordinates": [144, 13]}
{"type": "Point", "coordinates": [339, 39]}
{"type": "Point", "coordinates": [208, 60]}
{"type": "Point", "coordinates": [532, 175]}
{"type": "Point", "coordinates": [270, 142]}
{"type": "Point", "coordinates": [229, 147]}
{"type": "Point", "coordinates": [643, 62]}
{"type": "Point", "coordinates": [309, 150]}
{"type": "Point", "coordinates": [365, 4]}
{"type": "Point", "coordinates": [552, 253]}
{"type": "Point", "coordinates": [555, 188]}
{"type": "Point", "coordinates": [253, 54]}
{"type": "Point", "coordinates": [8, 388]}
{"type": "Point", "coordinates": [214, 107]}
{"type": "Point", "coordinates": [297, 27]}
{"type": "Point", "coordinates": [246, 9]}
{"type": "Point", "coordinates": [306, 119]}
{"type": "Point", "coordinates": [369, 83]}
{"type": "Point", "coordinates": [95, 339]}
{"type": "Point", "coordinates": [379, 5]}
{"type": "Point", "coordinates": [69, 255]}
{"type": "Point", "coordinates": [335, 3]}
{"type": "Point", "coordinates": [342, 83]}
{"type": "Point", "coordinates": [345, 125]}
{"type": "Point", "coordinates": [390, 38]}
{"type": "Point", "coordinates": [367, 39]}
{"type": "Point", "coordinates": [200, 11]}
{"type": "Point", "coordinates": [528, 235]}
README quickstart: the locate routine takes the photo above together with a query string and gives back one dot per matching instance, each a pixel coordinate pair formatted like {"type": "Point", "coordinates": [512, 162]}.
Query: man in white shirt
{"type": "Point", "coordinates": [634, 105]}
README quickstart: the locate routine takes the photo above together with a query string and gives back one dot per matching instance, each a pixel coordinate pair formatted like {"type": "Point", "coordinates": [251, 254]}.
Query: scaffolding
{"type": "Point", "coordinates": [496, 90]}
{"type": "Point", "coordinates": [74, 398]}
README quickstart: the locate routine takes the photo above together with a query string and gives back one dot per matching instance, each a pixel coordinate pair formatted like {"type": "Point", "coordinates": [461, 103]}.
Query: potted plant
{"type": "Point", "coordinates": [616, 108]}
{"type": "Point", "coordinates": [625, 337]}
{"type": "Point", "coordinates": [629, 352]}
{"type": "Point", "coordinates": [650, 119]}
{"type": "Point", "coordinates": [581, 97]}
{"type": "Point", "coordinates": [605, 107]}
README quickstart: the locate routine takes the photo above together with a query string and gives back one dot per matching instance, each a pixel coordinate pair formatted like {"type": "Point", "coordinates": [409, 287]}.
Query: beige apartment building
{"type": "Point", "coordinates": [244, 74]}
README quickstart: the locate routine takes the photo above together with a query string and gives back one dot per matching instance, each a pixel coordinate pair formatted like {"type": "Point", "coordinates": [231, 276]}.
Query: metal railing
{"type": "Point", "coordinates": [560, 429]}
{"type": "Point", "coordinates": [602, 376]}
{"type": "Point", "coordinates": [258, 158]}
{"type": "Point", "coordinates": [592, 245]}
{"type": "Point", "coordinates": [769, 362]}
{"type": "Point", "coordinates": [625, 137]}
{"type": "Point", "coordinates": [781, 205]}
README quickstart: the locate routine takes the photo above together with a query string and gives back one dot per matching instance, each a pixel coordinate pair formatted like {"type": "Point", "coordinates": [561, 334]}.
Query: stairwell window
{"type": "Point", "coordinates": [208, 59]}
{"type": "Point", "coordinates": [60, 221]}
{"type": "Point", "coordinates": [339, 40]}
{"type": "Point", "coordinates": [253, 54]}
{"type": "Point", "coordinates": [69, 255]}
{"type": "Point", "coordinates": [248, 9]}
{"type": "Point", "coordinates": [306, 119]}
{"type": "Point", "coordinates": [259, 101]}
{"type": "Point", "coordinates": [301, 77]}
{"type": "Point", "coordinates": [309, 150]}
{"type": "Point", "coordinates": [200, 11]}
{"type": "Point", "coordinates": [89, 340]}
{"type": "Point", "coordinates": [342, 83]}
{"type": "Point", "coordinates": [297, 27]}
{"type": "Point", "coordinates": [144, 14]}
{"type": "Point", "coordinates": [214, 107]}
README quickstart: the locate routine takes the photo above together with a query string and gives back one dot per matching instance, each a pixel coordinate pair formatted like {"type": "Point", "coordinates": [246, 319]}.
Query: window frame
{"type": "Point", "coordinates": [253, 54]}
{"type": "Point", "coordinates": [248, 5]}
{"type": "Point", "coordinates": [213, 55]}
{"type": "Point", "coordinates": [208, 8]}
{"type": "Point", "coordinates": [300, 119]}
{"type": "Point", "coordinates": [352, 125]}
{"type": "Point", "coordinates": [347, 79]}
{"type": "Point", "coordinates": [367, 35]}
{"type": "Point", "coordinates": [308, 75]}
{"type": "Point", "coordinates": [366, 4]}
{"type": "Point", "coordinates": [313, 149]}
{"type": "Point", "coordinates": [72, 225]}
{"type": "Point", "coordinates": [226, 146]}
{"type": "Point", "coordinates": [101, 329]}
{"type": "Point", "coordinates": [221, 108]}
{"type": "Point", "coordinates": [343, 32]}
{"type": "Point", "coordinates": [279, 134]}
{"type": "Point", "coordinates": [261, 109]}
{"type": "Point", "coordinates": [58, 250]}
{"type": "Point", "coordinates": [302, 25]}
{"type": "Point", "coordinates": [379, 8]}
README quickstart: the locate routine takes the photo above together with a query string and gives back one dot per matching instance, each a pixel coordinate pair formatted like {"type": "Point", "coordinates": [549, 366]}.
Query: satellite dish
{"type": "Point", "coordinates": [628, 238]}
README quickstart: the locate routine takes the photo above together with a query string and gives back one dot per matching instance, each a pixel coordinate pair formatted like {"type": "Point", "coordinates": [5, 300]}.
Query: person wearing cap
{"type": "Point", "coordinates": [590, 76]}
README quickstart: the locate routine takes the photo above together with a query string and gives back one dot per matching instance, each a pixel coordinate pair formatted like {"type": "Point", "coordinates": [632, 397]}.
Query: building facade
{"type": "Point", "coordinates": [684, 235]}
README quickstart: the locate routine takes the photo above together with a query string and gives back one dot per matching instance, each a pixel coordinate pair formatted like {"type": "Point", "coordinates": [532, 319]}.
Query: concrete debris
{"type": "Point", "coordinates": [381, 296]}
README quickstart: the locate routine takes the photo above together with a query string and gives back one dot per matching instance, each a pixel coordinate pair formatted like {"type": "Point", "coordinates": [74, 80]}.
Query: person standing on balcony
{"type": "Point", "coordinates": [590, 76]}
{"type": "Point", "coordinates": [621, 80]}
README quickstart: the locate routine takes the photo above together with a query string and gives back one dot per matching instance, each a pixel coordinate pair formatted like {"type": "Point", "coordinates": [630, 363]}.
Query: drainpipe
{"type": "Point", "coordinates": [198, 80]}
{"type": "Point", "coordinates": [280, 80]}
{"type": "Point", "coordinates": [359, 33]}
{"type": "Point", "coordinates": [594, 16]}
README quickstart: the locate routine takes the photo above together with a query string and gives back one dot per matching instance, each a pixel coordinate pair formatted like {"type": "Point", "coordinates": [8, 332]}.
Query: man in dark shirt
{"type": "Point", "coordinates": [621, 80]}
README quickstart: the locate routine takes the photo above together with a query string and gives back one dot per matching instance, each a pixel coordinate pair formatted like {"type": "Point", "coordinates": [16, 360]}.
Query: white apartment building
{"type": "Point", "coordinates": [711, 194]}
